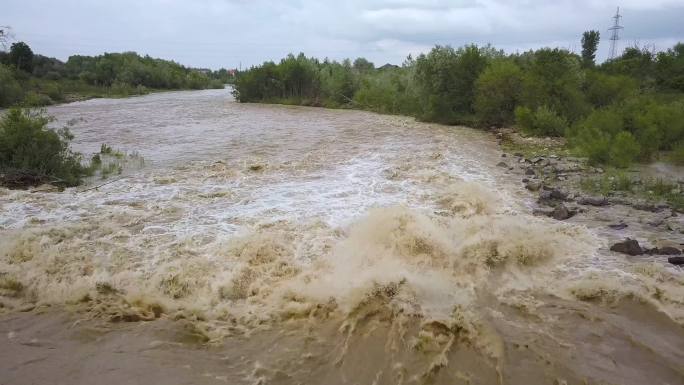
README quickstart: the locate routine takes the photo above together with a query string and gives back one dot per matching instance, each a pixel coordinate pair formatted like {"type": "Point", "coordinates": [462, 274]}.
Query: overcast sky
{"type": "Point", "coordinates": [225, 33]}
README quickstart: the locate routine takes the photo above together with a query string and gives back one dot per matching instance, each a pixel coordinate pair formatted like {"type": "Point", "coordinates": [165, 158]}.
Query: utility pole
{"type": "Point", "coordinates": [615, 34]}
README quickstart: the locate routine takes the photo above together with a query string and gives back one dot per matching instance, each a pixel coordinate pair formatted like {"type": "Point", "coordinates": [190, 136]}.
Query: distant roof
{"type": "Point", "coordinates": [388, 65]}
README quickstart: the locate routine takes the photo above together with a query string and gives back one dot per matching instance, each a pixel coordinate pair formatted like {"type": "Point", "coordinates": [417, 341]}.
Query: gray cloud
{"type": "Point", "coordinates": [225, 33]}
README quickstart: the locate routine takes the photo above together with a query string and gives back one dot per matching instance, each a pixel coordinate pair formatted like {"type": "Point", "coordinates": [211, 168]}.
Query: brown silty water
{"type": "Point", "coordinates": [268, 244]}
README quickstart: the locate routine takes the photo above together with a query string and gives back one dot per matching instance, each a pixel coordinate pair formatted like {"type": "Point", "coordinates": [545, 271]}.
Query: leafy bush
{"type": "Point", "coordinates": [34, 99]}
{"type": "Point", "coordinates": [677, 156]}
{"type": "Point", "coordinates": [28, 148]}
{"type": "Point", "coordinates": [624, 150]}
{"type": "Point", "coordinates": [593, 136]}
{"type": "Point", "coordinates": [497, 93]}
{"type": "Point", "coordinates": [602, 89]}
{"type": "Point", "coordinates": [10, 90]}
{"type": "Point", "coordinates": [652, 126]}
{"type": "Point", "coordinates": [216, 84]}
{"type": "Point", "coordinates": [541, 122]}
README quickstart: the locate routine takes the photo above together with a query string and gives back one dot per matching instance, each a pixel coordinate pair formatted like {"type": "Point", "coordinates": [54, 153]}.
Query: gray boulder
{"type": "Point", "coordinates": [562, 213]}
{"type": "Point", "coordinates": [676, 260]}
{"type": "Point", "coordinates": [628, 246]}
{"type": "Point", "coordinates": [593, 201]}
{"type": "Point", "coordinates": [533, 185]}
{"type": "Point", "coordinates": [667, 250]}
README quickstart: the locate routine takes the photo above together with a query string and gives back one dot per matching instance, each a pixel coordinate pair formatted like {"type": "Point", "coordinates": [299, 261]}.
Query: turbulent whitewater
{"type": "Point", "coordinates": [327, 246]}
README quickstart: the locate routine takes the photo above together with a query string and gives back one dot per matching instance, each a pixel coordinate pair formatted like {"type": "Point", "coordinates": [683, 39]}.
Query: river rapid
{"type": "Point", "coordinates": [263, 244]}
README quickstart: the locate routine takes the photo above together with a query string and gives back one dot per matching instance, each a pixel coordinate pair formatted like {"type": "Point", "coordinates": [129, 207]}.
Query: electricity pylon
{"type": "Point", "coordinates": [615, 34]}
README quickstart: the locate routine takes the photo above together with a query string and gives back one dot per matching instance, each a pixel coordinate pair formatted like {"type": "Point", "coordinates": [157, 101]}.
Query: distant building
{"type": "Point", "coordinates": [388, 66]}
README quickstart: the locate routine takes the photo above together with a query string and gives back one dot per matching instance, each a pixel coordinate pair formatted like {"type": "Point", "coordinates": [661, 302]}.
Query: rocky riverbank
{"type": "Point", "coordinates": [639, 213]}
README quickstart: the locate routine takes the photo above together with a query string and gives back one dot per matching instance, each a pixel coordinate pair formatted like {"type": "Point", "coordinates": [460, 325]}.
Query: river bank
{"type": "Point", "coordinates": [644, 203]}
{"type": "Point", "coordinates": [273, 244]}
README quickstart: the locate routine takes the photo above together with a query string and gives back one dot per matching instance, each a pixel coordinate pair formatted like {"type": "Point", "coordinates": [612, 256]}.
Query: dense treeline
{"type": "Point", "coordinates": [30, 79]}
{"type": "Point", "coordinates": [627, 109]}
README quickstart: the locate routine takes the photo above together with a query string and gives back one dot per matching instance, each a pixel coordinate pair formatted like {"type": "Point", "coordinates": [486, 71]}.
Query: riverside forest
{"type": "Point", "coordinates": [471, 214]}
{"type": "Point", "coordinates": [627, 109]}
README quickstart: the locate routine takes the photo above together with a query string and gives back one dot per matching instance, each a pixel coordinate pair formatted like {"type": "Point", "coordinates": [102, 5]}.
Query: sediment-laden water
{"type": "Point", "coordinates": [289, 245]}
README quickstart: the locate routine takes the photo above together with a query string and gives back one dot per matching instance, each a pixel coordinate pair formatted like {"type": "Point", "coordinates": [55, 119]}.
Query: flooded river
{"type": "Point", "coordinates": [264, 244]}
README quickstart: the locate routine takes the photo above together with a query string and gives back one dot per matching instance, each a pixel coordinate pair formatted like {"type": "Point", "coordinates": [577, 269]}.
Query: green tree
{"type": "Point", "coordinates": [497, 93]}
{"type": "Point", "coordinates": [363, 65]}
{"type": "Point", "coordinates": [669, 69]}
{"type": "Point", "coordinates": [21, 56]}
{"type": "Point", "coordinates": [554, 78]}
{"type": "Point", "coordinates": [445, 79]}
{"type": "Point", "coordinates": [590, 41]}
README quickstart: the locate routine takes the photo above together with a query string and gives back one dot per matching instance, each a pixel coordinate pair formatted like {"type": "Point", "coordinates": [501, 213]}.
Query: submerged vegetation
{"type": "Point", "coordinates": [627, 109]}
{"type": "Point", "coordinates": [33, 80]}
{"type": "Point", "coordinates": [32, 154]}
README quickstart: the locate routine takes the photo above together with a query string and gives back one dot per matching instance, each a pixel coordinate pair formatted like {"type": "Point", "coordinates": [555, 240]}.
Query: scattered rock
{"type": "Point", "coordinates": [542, 212]}
{"type": "Point", "coordinates": [647, 207]}
{"type": "Point", "coordinates": [544, 196]}
{"type": "Point", "coordinates": [628, 246]}
{"type": "Point", "coordinates": [676, 260]}
{"type": "Point", "coordinates": [562, 213]}
{"type": "Point", "coordinates": [518, 154]}
{"type": "Point", "coordinates": [675, 226]}
{"type": "Point", "coordinates": [618, 226]}
{"type": "Point", "coordinates": [594, 201]}
{"type": "Point", "coordinates": [667, 250]}
{"type": "Point", "coordinates": [557, 194]}
{"type": "Point", "coordinates": [503, 155]}
{"type": "Point", "coordinates": [529, 171]}
{"type": "Point", "coordinates": [255, 167]}
{"type": "Point", "coordinates": [525, 180]}
{"type": "Point", "coordinates": [533, 185]}
{"type": "Point", "coordinates": [502, 164]}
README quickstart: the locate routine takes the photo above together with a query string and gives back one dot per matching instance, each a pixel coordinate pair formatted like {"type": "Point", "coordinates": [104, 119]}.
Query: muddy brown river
{"type": "Point", "coordinates": [262, 244]}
